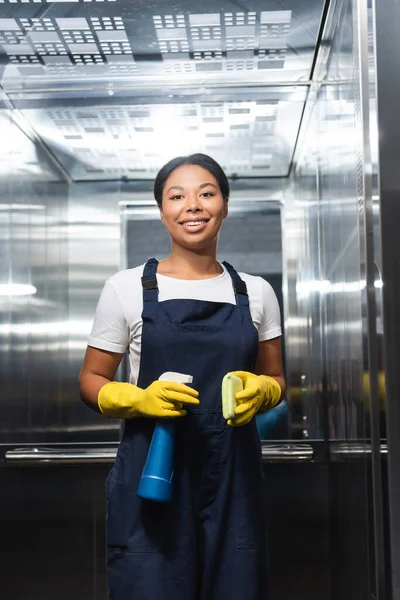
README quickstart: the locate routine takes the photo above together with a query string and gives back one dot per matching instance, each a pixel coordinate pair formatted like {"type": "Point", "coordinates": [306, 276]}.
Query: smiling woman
{"type": "Point", "coordinates": [192, 208]}
{"type": "Point", "coordinates": [193, 204]}
{"type": "Point", "coordinates": [192, 194]}
{"type": "Point", "coordinates": [192, 315]}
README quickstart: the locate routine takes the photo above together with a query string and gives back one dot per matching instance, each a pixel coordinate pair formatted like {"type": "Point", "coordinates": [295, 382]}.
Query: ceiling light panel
{"type": "Point", "coordinates": [140, 41]}
{"type": "Point", "coordinates": [68, 45]}
{"type": "Point", "coordinates": [252, 137]}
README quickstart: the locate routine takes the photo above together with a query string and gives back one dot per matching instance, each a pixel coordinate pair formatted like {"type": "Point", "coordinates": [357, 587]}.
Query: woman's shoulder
{"type": "Point", "coordinates": [257, 285]}
{"type": "Point", "coordinates": [126, 277]}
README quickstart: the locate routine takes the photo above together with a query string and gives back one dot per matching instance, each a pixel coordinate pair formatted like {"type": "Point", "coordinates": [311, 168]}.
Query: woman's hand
{"type": "Point", "coordinates": [161, 399]}
{"type": "Point", "coordinates": [260, 393]}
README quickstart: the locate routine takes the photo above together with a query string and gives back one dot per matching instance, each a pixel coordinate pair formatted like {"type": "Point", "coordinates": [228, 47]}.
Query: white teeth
{"type": "Point", "coordinates": [193, 223]}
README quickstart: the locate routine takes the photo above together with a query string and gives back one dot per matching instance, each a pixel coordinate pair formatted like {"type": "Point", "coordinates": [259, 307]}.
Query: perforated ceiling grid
{"type": "Point", "coordinates": [135, 140]}
{"type": "Point", "coordinates": [177, 43]}
{"type": "Point", "coordinates": [123, 50]}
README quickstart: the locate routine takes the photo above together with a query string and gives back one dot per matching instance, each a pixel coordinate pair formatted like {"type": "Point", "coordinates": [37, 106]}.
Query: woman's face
{"type": "Point", "coordinates": [193, 207]}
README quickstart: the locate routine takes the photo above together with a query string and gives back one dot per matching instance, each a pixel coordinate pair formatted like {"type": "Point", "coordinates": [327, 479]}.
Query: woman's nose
{"type": "Point", "coordinates": [193, 202]}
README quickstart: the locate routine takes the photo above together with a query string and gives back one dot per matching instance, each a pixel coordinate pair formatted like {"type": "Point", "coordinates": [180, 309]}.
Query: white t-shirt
{"type": "Point", "coordinates": [118, 321]}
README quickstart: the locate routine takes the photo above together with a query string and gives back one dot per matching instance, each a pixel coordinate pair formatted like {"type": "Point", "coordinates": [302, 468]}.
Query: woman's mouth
{"type": "Point", "coordinates": [194, 226]}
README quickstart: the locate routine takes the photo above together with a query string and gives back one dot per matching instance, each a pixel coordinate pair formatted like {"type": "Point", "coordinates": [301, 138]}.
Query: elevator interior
{"type": "Point", "coordinates": [94, 98]}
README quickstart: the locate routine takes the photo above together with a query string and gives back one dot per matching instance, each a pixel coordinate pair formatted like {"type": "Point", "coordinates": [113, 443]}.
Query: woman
{"type": "Point", "coordinates": [188, 314]}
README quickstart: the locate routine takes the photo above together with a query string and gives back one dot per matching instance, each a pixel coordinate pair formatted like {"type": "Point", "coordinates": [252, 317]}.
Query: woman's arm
{"type": "Point", "coordinates": [269, 362]}
{"type": "Point", "coordinates": [99, 367]}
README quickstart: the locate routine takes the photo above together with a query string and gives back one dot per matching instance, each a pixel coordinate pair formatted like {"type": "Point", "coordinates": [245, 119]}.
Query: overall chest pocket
{"type": "Point", "coordinates": [198, 313]}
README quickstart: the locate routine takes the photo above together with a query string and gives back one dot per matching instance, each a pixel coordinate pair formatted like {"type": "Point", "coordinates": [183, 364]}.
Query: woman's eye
{"type": "Point", "coordinates": [207, 194]}
{"type": "Point", "coordinates": [177, 197]}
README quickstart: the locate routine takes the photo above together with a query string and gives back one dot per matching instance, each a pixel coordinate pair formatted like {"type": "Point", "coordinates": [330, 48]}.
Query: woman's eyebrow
{"type": "Point", "coordinates": [174, 187]}
{"type": "Point", "coordinates": [201, 186]}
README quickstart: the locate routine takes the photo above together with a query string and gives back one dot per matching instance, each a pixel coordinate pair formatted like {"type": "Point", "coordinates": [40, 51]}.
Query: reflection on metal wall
{"type": "Point", "coordinates": [332, 292]}
{"type": "Point", "coordinates": [323, 257]}
{"type": "Point", "coordinates": [58, 244]}
{"type": "Point", "coordinates": [93, 256]}
{"type": "Point", "coordinates": [33, 289]}
{"type": "Point", "coordinates": [324, 254]}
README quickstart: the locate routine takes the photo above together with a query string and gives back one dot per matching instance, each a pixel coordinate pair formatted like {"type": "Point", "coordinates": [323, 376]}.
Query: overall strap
{"type": "Point", "coordinates": [239, 285]}
{"type": "Point", "coordinates": [149, 281]}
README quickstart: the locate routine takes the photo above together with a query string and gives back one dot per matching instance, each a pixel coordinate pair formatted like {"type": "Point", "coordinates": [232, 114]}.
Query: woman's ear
{"type": "Point", "coordinates": [225, 213]}
{"type": "Point", "coordinates": [161, 214]}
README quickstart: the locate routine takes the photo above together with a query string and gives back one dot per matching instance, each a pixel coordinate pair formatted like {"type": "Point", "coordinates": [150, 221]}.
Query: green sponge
{"type": "Point", "coordinates": [231, 385]}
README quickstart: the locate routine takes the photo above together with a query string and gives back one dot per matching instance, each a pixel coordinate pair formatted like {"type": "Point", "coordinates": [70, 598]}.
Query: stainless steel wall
{"type": "Point", "coordinates": [387, 42]}
{"type": "Point", "coordinates": [332, 260]}
{"type": "Point", "coordinates": [94, 254]}
{"type": "Point", "coordinates": [63, 240]}
{"type": "Point", "coordinates": [33, 246]}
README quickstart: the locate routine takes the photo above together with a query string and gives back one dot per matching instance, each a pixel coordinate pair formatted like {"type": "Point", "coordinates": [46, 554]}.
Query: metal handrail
{"type": "Point", "coordinates": [42, 456]}
{"type": "Point", "coordinates": [287, 452]}
{"type": "Point", "coordinates": [353, 449]}
{"type": "Point", "coordinates": [56, 456]}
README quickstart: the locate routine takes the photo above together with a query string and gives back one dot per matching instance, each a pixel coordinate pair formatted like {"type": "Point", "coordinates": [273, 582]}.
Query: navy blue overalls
{"type": "Point", "coordinates": [209, 543]}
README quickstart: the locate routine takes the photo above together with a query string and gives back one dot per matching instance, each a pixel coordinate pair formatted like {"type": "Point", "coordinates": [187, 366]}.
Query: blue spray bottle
{"type": "Point", "coordinates": [156, 481]}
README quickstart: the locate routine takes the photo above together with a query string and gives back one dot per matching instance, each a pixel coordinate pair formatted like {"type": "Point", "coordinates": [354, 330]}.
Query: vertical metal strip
{"type": "Point", "coordinates": [386, 19]}
{"type": "Point", "coordinates": [364, 181]}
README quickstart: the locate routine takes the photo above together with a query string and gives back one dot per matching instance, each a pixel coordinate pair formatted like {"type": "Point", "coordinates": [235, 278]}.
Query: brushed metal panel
{"type": "Point", "coordinates": [33, 207]}
{"type": "Point", "coordinates": [93, 256]}
{"type": "Point", "coordinates": [63, 243]}
{"type": "Point", "coordinates": [386, 17]}
{"type": "Point", "coordinates": [331, 293]}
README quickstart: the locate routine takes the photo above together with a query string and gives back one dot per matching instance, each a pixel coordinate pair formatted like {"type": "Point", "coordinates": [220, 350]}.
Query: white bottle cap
{"type": "Point", "coordinates": [178, 377]}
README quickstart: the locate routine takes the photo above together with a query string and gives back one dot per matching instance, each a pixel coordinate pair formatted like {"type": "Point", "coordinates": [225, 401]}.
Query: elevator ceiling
{"type": "Point", "coordinates": [116, 88]}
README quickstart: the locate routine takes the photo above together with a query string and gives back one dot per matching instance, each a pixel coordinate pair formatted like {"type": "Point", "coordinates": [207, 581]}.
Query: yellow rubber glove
{"type": "Point", "coordinates": [162, 399]}
{"type": "Point", "coordinates": [260, 392]}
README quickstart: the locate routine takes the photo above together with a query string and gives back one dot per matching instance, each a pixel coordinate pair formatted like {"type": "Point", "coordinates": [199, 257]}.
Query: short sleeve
{"type": "Point", "coordinates": [270, 326]}
{"type": "Point", "coordinates": [110, 329]}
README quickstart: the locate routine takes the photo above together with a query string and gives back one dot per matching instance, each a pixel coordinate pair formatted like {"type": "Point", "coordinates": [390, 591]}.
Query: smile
{"type": "Point", "coordinates": [194, 223]}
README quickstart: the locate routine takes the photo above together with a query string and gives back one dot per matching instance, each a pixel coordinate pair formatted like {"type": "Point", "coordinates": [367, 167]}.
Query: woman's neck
{"type": "Point", "coordinates": [186, 264]}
